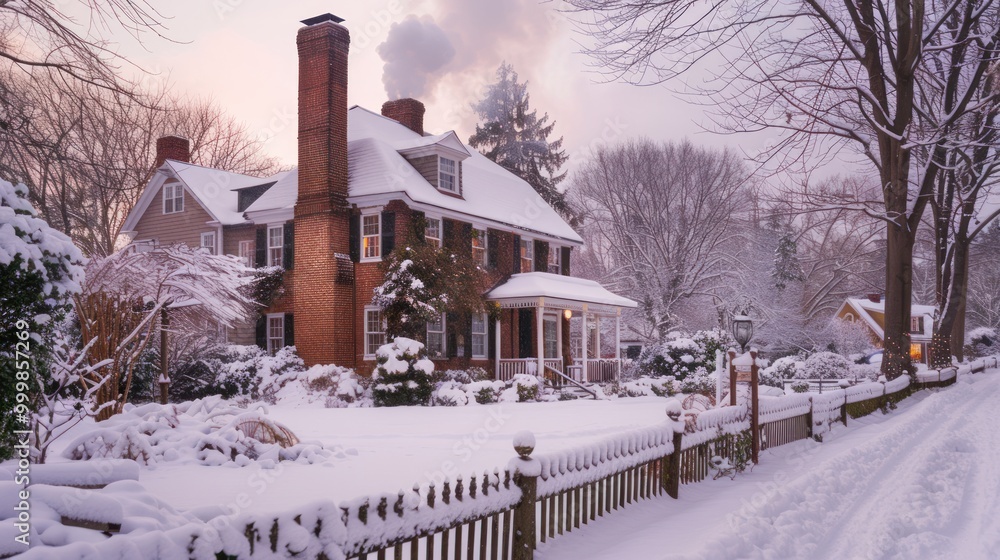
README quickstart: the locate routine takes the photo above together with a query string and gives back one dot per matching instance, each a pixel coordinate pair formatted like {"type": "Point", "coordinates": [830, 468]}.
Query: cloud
{"type": "Point", "coordinates": [415, 50]}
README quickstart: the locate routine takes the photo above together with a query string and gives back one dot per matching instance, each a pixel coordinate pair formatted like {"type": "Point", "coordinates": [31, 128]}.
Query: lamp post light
{"type": "Point", "coordinates": [742, 331]}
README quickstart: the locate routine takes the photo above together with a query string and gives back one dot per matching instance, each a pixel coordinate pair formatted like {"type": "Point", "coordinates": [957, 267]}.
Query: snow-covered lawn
{"type": "Point", "coordinates": [922, 482]}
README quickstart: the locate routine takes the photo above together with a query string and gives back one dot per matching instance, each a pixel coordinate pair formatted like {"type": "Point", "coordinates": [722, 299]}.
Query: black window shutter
{"type": "Point", "coordinates": [465, 247]}
{"type": "Point", "coordinates": [468, 335]}
{"type": "Point", "coordinates": [355, 237]}
{"type": "Point", "coordinates": [491, 338]}
{"type": "Point", "coordinates": [260, 250]}
{"type": "Point", "coordinates": [452, 329]}
{"type": "Point", "coordinates": [288, 249]}
{"type": "Point", "coordinates": [492, 249]}
{"type": "Point", "coordinates": [517, 254]}
{"type": "Point", "coordinates": [448, 233]}
{"type": "Point", "coordinates": [524, 320]}
{"type": "Point", "coordinates": [419, 221]}
{"type": "Point", "coordinates": [565, 261]}
{"type": "Point", "coordinates": [388, 232]}
{"type": "Point", "coordinates": [541, 256]}
{"type": "Point", "coordinates": [289, 329]}
{"type": "Point", "coordinates": [260, 332]}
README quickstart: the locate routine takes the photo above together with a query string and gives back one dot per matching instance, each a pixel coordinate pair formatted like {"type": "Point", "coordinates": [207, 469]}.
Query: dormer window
{"type": "Point", "coordinates": [447, 174]}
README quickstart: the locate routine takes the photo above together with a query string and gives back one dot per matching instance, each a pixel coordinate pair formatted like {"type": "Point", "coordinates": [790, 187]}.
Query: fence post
{"type": "Point", "coordinates": [732, 378]}
{"type": "Point", "coordinates": [526, 471]}
{"type": "Point", "coordinates": [672, 472]}
{"type": "Point", "coordinates": [755, 409]}
{"type": "Point", "coordinates": [809, 419]}
{"type": "Point", "coordinates": [843, 409]}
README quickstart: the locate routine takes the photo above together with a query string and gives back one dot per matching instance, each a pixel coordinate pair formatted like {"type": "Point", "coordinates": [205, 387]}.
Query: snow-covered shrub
{"type": "Point", "coordinates": [330, 385]}
{"type": "Point", "coordinates": [646, 387]}
{"type": "Point", "coordinates": [250, 373]}
{"type": "Point", "coordinates": [462, 376]}
{"type": "Point", "coordinates": [521, 388]}
{"type": "Point", "coordinates": [824, 365]}
{"type": "Point", "coordinates": [768, 376]}
{"type": "Point", "coordinates": [486, 391]}
{"type": "Point", "coordinates": [786, 367]}
{"type": "Point", "coordinates": [864, 372]}
{"type": "Point", "coordinates": [981, 341]}
{"type": "Point", "coordinates": [699, 382]}
{"type": "Point", "coordinates": [800, 386]}
{"type": "Point", "coordinates": [449, 393]}
{"type": "Point", "coordinates": [403, 376]}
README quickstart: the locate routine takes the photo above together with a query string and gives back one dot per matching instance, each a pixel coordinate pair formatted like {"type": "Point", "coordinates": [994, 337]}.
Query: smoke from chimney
{"type": "Point", "coordinates": [414, 51]}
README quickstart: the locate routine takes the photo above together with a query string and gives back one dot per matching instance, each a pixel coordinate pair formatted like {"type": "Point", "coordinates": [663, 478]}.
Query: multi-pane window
{"type": "Point", "coordinates": [479, 247]}
{"type": "Point", "coordinates": [173, 198]}
{"type": "Point", "coordinates": [208, 241]}
{"type": "Point", "coordinates": [432, 231]}
{"type": "Point", "coordinates": [275, 245]}
{"type": "Point", "coordinates": [479, 335]}
{"type": "Point", "coordinates": [555, 259]}
{"type": "Point", "coordinates": [247, 252]}
{"type": "Point", "coordinates": [374, 331]}
{"type": "Point", "coordinates": [371, 231]}
{"type": "Point", "coordinates": [527, 255]}
{"type": "Point", "coordinates": [550, 337]}
{"type": "Point", "coordinates": [275, 332]}
{"type": "Point", "coordinates": [447, 178]}
{"type": "Point", "coordinates": [435, 337]}
{"type": "Point", "coordinates": [916, 324]}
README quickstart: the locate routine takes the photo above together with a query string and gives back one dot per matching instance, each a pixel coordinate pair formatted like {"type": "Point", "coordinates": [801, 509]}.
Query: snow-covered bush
{"type": "Point", "coordinates": [486, 391]}
{"type": "Point", "coordinates": [403, 376]}
{"type": "Point", "coordinates": [462, 376]}
{"type": "Point", "coordinates": [981, 341]}
{"type": "Point", "coordinates": [865, 372]}
{"type": "Point", "coordinates": [768, 376]}
{"type": "Point", "coordinates": [824, 365]}
{"type": "Point", "coordinates": [681, 356]}
{"type": "Point", "coordinates": [249, 373]}
{"type": "Point", "coordinates": [786, 367]}
{"type": "Point", "coordinates": [700, 381]}
{"type": "Point", "coordinates": [521, 388]}
{"type": "Point", "coordinates": [800, 386]}
{"type": "Point", "coordinates": [647, 387]}
{"type": "Point", "coordinates": [449, 393]}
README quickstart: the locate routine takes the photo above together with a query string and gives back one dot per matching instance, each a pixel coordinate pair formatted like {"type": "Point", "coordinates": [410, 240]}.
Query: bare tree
{"type": "Point", "coordinates": [826, 73]}
{"type": "Point", "coordinates": [657, 218]}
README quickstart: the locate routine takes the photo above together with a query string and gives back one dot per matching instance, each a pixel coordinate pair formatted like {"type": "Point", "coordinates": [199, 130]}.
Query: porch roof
{"type": "Point", "coordinates": [557, 288]}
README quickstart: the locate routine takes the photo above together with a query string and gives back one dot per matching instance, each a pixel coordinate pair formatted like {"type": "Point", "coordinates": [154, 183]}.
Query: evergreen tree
{"type": "Point", "coordinates": [516, 138]}
{"type": "Point", "coordinates": [786, 263]}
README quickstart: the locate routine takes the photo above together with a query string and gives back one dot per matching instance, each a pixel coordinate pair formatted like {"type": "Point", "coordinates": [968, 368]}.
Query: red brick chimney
{"type": "Point", "coordinates": [172, 147]}
{"type": "Point", "coordinates": [408, 112]}
{"type": "Point", "coordinates": [324, 326]}
{"type": "Point", "coordinates": [875, 298]}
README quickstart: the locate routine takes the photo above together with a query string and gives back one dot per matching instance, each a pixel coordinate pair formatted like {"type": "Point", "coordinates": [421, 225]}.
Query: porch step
{"type": "Point", "coordinates": [574, 392]}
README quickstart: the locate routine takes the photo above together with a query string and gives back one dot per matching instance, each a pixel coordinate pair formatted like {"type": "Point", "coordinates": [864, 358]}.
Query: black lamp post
{"type": "Point", "coordinates": [742, 331]}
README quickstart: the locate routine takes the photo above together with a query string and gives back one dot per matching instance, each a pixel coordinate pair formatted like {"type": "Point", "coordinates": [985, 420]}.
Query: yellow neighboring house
{"type": "Point", "coordinates": [870, 312]}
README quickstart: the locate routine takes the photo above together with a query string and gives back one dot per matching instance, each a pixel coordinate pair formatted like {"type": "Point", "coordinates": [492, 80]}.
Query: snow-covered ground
{"type": "Point", "coordinates": [922, 482]}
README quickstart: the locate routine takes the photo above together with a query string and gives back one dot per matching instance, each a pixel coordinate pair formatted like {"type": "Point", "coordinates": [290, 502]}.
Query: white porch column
{"type": "Point", "coordinates": [583, 344]}
{"type": "Point", "coordinates": [597, 337]}
{"type": "Point", "coordinates": [559, 335]}
{"type": "Point", "coordinates": [540, 337]}
{"type": "Point", "coordinates": [618, 336]}
{"type": "Point", "coordinates": [496, 358]}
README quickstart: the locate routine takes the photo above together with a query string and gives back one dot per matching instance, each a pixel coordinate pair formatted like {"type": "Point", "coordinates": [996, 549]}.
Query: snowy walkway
{"type": "Point", "coordinates": [922, 482]}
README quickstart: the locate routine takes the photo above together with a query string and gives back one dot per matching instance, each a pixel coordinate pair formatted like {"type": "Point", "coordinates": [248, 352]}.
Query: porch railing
{"type": "Point", "coordinates": [510, 367]}
{"type": "Point", "coordinates": [602, 371]}
{"type": "Point", "coordinates": [597, 371]}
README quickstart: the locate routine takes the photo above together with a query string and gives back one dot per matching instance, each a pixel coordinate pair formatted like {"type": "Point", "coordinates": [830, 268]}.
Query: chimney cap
{"type": "Point", "coordinates": [322, 18]}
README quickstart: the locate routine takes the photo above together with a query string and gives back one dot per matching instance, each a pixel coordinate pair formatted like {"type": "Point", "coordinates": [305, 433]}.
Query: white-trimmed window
{"type": "Point", "coordinates": [550, 336]}
{"type": "Point", "coordinates": [208, 241]}
{"type": "Point", "coordinates": [555, 259]}
{"type": "Point", "coordinates": [374, 331]}
{"type": "Point", "coordinates": [916, 324]}
{"type": "Point", "coordinates": [173, 198]}
{"type": "Point", "coordinates": [447, 174]}
{"type": "Point", "coordinates": [435, 337]}
{"type": "Point", "coordinates": [527, 255]}
{"type": "Point", "coordinates": [479, 247]}
{"type": "Point", "coordinates": [432, 231]}
{"type": "Point", "coordinates": [247, 252]}
{"type": "Point", "coordinates": [275, 245]}
{"type": "Point", "coordinates": [275, 332]}
{"type": "Point", "coordinates": [480, 332]}
{"type": "Point", "coordinates": [371, 236]}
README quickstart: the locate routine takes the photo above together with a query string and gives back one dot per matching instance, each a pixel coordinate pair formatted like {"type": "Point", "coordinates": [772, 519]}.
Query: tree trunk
{"type": "Point", "coordinates": [949, 331]}
{"type": "Point", "coordinates": [898, 289]}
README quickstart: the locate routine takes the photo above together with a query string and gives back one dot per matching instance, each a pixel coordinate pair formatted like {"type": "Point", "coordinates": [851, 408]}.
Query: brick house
{"type": "Point", "coordinates": [361, 178]}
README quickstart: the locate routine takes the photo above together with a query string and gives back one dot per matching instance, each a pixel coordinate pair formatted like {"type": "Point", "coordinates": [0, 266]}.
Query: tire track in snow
{"type": "Point", "coordinates": [818, 508]}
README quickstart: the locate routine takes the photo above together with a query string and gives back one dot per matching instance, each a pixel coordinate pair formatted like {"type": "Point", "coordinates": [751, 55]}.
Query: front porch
{"type": "Point", "coordinates": [550, 326]}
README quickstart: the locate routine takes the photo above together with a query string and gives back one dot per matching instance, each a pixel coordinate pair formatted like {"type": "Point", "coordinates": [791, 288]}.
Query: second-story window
{"type": "Point", "coordinates": [371, 232]}
{"type": "Point", "coordinates": [479, 247]}
{"type": "Point", "coordinates": [527, 255]}
{"type": "Point", "coordinates": [555, 259]}
{"type": "Point", "coordinates": [173, 198]}
{"type": "Point", "coordinates": [447, 175]}
{"type": "Point", "coordinates": [432, 232]}
{"type": "Point", "coordinates": [275, 245]}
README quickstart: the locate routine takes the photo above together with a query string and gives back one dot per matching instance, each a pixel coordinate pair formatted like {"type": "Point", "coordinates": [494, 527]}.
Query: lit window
{"type": "Point", "coordinates": [555, 259]}
{"type": "Point", "coordinates": [371, 236]}
{"type": "Point", "coordinates": [446, 174]}
{"type": "Point", "coordinates": [275, 245]}
{"type": "Point", "coordinates": [917, 352]}
{"type": "Point", "coordinates": [435, 337]}
{"type": "Point", "coordinates": [275, 332]}
{"type": "Point", "coordinates": [247, 252]}
{"type": "Point", "coordinates": [173, 198]}
{"type": "Point", "coordinates": [432, 232]}
{"type": "Point", "coordinates": [527, 255]}
{"type": "Point", "coordinates": [550, 337]}
{"type": "Point", "coordinates": [479, 246]}
{"type": "Point", "coordinates": [479, 334]}
{"type": "Point", "coordinates": [374, 331]}
{"type": "Point", "coordinates": [208, 242]}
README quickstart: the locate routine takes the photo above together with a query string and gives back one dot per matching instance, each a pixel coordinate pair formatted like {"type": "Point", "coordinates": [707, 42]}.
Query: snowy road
{"type": "Point", "coordinates": [922, 482]}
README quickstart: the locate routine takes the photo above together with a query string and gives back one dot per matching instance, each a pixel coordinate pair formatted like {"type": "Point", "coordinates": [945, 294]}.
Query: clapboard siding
{"type": "Point", "coordinates": [181, 227]}
{"type": "Point", "coordinates": [232, 235]}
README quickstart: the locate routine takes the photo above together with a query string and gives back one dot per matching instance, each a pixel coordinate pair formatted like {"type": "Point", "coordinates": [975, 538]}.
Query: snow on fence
{"type": "Point", "coordinates": [504, 514]}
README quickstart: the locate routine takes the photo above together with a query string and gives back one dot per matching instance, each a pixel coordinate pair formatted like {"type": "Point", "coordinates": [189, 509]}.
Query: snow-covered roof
{"type": "Point", "coordinates": [864, 307]}
{"type": "Point", "coordinates": [215, 189]}
{"type": "Point", "coordinates": [544, 284]}
{"type": "Point", "coordinates": [282, 194]}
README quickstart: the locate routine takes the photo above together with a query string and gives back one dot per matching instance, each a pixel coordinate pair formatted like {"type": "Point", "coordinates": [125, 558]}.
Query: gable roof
{"type": "Point", "coordinates": [864, 307]}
